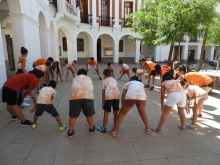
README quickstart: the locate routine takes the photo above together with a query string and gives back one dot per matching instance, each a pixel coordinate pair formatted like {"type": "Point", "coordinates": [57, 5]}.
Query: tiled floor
{"type": "Point", "coordinates": [45, 145]}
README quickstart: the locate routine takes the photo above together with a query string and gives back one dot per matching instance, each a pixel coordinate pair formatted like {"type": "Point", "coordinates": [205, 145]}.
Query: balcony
{"type": "Point", "coordinates": [69, 11]}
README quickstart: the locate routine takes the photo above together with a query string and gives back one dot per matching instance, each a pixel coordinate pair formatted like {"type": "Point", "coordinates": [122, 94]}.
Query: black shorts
{"type": "Point", "coordinates": [111, 103]}
{"type": "Point", "coordinates": [11, 97]}
{"type": "Point", "coordinates": [209, 85]}
{"type": "Point", "coordinates": [49, 108]}
{"type": "Point", "coordinates": [19, 71]}
{"type": "Point", "coordinates": [153, 73]}
{"type": "Point", "coordinates": [86, 105]}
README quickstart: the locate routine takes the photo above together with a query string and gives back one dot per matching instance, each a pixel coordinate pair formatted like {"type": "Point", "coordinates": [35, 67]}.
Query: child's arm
{"type": "Point", "coordinates": [123, 95]}
{"type": "Point", "coordinates": [162, 97]}
{"type": "Point", "coordinates": [122, 68]}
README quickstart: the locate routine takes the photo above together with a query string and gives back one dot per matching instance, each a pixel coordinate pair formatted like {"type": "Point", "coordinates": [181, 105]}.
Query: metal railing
{"type": "Point", "coordinates": [54, 3]}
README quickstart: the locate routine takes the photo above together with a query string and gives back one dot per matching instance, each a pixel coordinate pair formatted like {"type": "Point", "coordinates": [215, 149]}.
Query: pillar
{"type": "Point", "coordinates": [116, 25]}
{"type": "Point", "coordinates": [211, 53]}
{"type": "Point", "coordinates": [94, 13]}
{"type": "Point", "coordinates": [137, 50]}
{"type": "Point", "coordinates": [198, 51]}
{"type": "Point", "coordinates": [94, 50]}
{"type": "Point", "coordinates": [3, 76]}
{"type": "Point", "coordinates": [116, 53]}
{"type": "Point", "coordinates": [25, 32]}
{"type": "Point", "coordinates": [185, 52]}
{"type": "Point", "coordinates": [139, 4]}
{"type": "Point", "coordinates": [74, 48]}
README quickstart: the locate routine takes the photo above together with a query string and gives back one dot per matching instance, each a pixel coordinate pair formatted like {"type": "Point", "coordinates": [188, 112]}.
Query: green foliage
{"type": "Point", "coordinates": [214, 31]}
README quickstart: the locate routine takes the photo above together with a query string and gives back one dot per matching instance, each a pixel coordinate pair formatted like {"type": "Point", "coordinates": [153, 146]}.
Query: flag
{"type": "Point", "coordinates": [79, 4]}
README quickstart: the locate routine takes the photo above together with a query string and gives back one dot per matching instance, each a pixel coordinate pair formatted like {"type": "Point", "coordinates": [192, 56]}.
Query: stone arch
{"type": "Point", "coordinates": [15, 6]}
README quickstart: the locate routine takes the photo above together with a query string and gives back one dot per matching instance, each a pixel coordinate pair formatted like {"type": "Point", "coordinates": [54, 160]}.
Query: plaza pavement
{"type": "Point", "coordinates": [45, 145]}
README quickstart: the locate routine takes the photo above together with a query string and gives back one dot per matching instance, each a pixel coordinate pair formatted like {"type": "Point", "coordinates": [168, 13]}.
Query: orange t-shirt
{"type": "Point", "coordinates": [195, 78]}
{"type": "Point", "coordinates": [41, 61]}
{"type": "Point", "coordinates": [164, 69]}
{"type": "Point", "coordinates": [92, 62]}
{"type": "Point", "coordinates": [149, 65]}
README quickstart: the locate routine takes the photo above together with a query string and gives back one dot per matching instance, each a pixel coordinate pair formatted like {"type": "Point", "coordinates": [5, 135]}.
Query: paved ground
{"type": "Point", "coordinates": [45, 145]}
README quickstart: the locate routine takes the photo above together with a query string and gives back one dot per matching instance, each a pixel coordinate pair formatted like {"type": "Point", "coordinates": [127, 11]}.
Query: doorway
{"type": "Point", "coordinates": [191, 56]}
{"type": "Point", "coordinates": [99, 51]}
{"type": "Point", "coordinates": [11, 61]}
{"type": "Point", "coordinates": [177, 55]}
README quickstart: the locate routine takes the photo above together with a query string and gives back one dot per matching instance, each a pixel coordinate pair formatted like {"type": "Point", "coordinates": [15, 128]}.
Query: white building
{"type": "Point", "coordinates": [63, 32]}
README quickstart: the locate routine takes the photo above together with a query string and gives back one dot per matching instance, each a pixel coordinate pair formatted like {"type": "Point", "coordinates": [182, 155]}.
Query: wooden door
{"type": "Point", "coordinates": [105, 13]}
{"type": "Point", "coordinates": [99, 50]}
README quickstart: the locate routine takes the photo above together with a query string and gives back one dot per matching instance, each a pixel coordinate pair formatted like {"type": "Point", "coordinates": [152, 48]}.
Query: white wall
{"type": "Point", "coordinates": [128, 47]}
{"type": "Point", "coordinates": [87, 46]}
{"type": "Point", "coordinates": [106, 42]}
{"type": "Point", "coordinates": [61, 35]}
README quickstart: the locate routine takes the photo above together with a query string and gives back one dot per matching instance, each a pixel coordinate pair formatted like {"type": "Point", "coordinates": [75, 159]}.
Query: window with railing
{"type": "Point", "coordinates": [80, 45]}
{"type": "Point", "coordinates": [105, 12]}
{"type": "Point", "coordinates": [128, 9]}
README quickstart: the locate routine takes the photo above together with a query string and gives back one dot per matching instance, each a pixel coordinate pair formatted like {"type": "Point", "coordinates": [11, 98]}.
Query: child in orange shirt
{"type": "Point", "coordinates": [44, 103]}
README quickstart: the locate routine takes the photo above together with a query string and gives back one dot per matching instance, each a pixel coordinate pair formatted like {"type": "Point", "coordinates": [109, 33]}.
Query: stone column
{"type": "Point", "coordinates": [74, 48]}
{"type": "Point", "coordinates": [211, 53]}
{"type": "Point", "coordinates": [94, 13]}
{"type": "Point", "coordinates": [25, 32]}
{"type": "Point", "coordinates": [116, 25]}
{"type": "Point", "coordinates": [137, 50]}
{"type": "Point", "coordinates": [3, 76]}
{"type": "Point", "coordinates": [185, 52]}
{"type": "Point", "coordinates": [94, 51]}
{"type": "Point", "coordinates": [116, 53]}
{"type": "Point", "coordinates": [198, 51]}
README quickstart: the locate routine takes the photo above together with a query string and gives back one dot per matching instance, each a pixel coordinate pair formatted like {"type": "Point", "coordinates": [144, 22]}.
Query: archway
{"type": "Point", "coordinates": [84, 46]}
{"type": "Point", "coordinates": [65, 45]}
{"type": "Point", "coordinates": [105, 48]}
{"type": "Point", "coordinates": [43, 36]}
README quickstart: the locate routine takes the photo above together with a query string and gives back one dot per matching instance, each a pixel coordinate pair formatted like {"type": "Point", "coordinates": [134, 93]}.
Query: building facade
{"type": "Point", "coordinates": [64, 30]}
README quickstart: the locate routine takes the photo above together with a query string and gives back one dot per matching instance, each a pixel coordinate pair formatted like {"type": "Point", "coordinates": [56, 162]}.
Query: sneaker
{"type": "Point", "coordinates": [63, 128]}
{"type": "Point", "coordinates": [101, 129]}
{"type": "Point", "coordinates": [70, 134]}
{"type": "Point", "coordinates": [147, 86]}
{"type": "Point", "coordinates": [190, 127]}
{"type": "Point", "coordinates": [112, 133]}
{"type": "Point", "coordinates": [34, 125]}
{"type": "Point", "coordinates": [14, 118]}
{"type": "Point", "coordinates": [26, 123]}
{"type": "Point", "coordinates": [25, 104]}
{"type": "Point", "coordinates": [200, 115]}
{"type": "Point", "coordinates": [119, 79]}
{"type": "Point", "coordinates": [26, 98]}
{"type": "Point", "coordinates": [151, 88]}
{"type": "Point", "coordinates": [92, 130]}
{"type": "Point", "coordinates": [100, 78]}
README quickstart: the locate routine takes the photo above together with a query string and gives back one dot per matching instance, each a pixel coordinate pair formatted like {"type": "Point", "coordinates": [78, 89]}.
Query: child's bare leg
{"type": "Point", "coordinates": [115, 113]}
{"type": "Point", "coordinates": [195, 115]}
{"type": "Point", "coordinates": [105, 119]}
{"type": "Point", "coordinates": [97, 71]}
{"type": "Point", "coordinates": [200, 107]}
{"type": "Point", "coordinates": [57, 78]}
{"type": "Point", "coordinates": [18, 112]}
{"type": "Point", "coordinates": [35, 119]}
{"type": "Point", "coordinates": [72, 123]}
{"type": "Point", "coordinates": [153, 81]}
{"type": "Point", "coordinates": [164, 116]}
{"type": "Point", "coordinates": [113, 75]}
{"type": "Point", "coordinates": [129, 76]}
{"type": "Point", "coordinates": [67, 74]}
{"type": "Point", "coordinates": [11, 110]}
{"type": "Point", "coordinates": [182, 116]}
{"type": "Point", "coordinates": [90, 121]}
{"type": "Point", "coordinates": [142, 113]}
{"type": "Point", "coordinates": [121, 75]}
{"type": "Point", "coordinates": [59, 121]}
{"type": "Point", "coordinates": [149, 80]}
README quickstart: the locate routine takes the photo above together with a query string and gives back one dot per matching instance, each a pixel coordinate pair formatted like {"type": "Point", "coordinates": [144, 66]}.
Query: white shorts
{"type": "Point", "coordinates": [203, 98]}
{"type": "Point", "coordinates": [176, 98]}
{"type": "Point", "coordinates": [92, 66]}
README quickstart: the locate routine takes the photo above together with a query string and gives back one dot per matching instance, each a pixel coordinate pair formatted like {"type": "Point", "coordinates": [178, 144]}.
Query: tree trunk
{"type": "Point", "coordinates": [203, 46]}
{"type": "Point", "coordinates": [170, 53]}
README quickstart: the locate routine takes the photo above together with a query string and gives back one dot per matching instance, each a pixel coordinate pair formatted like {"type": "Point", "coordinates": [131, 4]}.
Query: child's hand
{"type": "Point", "coordinates": [120, 71]}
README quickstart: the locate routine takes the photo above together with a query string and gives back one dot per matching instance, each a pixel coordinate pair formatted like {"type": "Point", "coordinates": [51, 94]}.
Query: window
{"type": "Point", "coordinates": [105, 13]}
{"type": "Point", "coordinates": [84, 12]}
{"type": "Point", "coordinates": [128, 9]}
{"type": "Point", "coordinates": [121, 46]}
{"type": "Point", "coordinates": [80, 45]}
{"type": "Point", "coordinates": [64, 44]}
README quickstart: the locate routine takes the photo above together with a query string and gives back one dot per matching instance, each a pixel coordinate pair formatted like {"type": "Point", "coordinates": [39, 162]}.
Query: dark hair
{"type": "Point", "coordinates": [143, 60]}
{"type": "Point", "coordinates": [107, 72]}
{"type": "Point", "coordinates": [157, 69]}
{"type": "Point", "coordinates": [134, 69]}
{"type": "Point", "coordinates": [184, 68]}
{"type": "Point", "coordinates": [120, 62]}
{"type": "Point", "coordinates": [47, 63]}
{"type": "Point", "coordinates": [171, 71]}
{"type": "Point", "coordinates": [58, 66]}
{"type": "Point", "coordinates": [91, 58]}
{"type": "Point", "coordinates": [82, 71]}
{"type": "Point", "coordinates": [37, 73]}
{"type": "Point", "coordinates": [52, 83]}
{"type": "Point", "coordinates": [176, 64]}
{"type": "Point", "coordinates": [167, 76]}
{"type": "Point", "coordinates": [193, 70]}
{"type": "Point", "coordinates": [109, 64]}
{"type": "Point", "coordinates": [134, 78]}
{"type": "Point", "coordinates": [23, 50]}
{"type": "Point", "coordinates": [75, 61]}
{"type": "Point", "coordinates": [50, 59]}
{"type": "Point", "coordinates": [183, 81]}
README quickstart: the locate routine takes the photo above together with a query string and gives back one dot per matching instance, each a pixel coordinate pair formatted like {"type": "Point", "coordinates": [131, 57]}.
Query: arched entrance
{"type": "Point", "coordinates": [84, 46]}
{"type": "Point", "coordinates": [65, 45]}
{"type": "Point", "coordinates": [43, 36]}
{"type": "Point", "coordinates": [105, 48]}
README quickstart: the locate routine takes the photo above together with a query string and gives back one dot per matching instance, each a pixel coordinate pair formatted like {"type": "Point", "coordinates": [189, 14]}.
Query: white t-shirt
{"type": "Point", "coordinates": [135, 90]}
{"type": "Point", "coordinates": [111, 88]}
{"type": "Point", "coordinates": [45, 95]}
{"type": "Point", "coordinates": [125, 66]}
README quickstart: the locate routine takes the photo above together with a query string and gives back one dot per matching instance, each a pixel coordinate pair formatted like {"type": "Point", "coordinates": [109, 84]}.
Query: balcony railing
{"type": "Point", "coordinates": [71, 9]}
{"type": "Point", "coordinates": [54, 3]}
